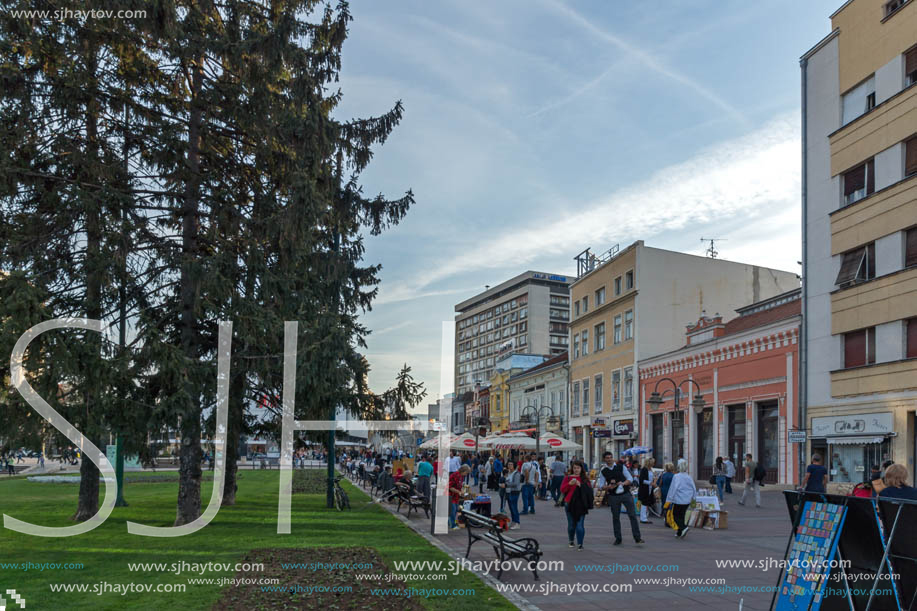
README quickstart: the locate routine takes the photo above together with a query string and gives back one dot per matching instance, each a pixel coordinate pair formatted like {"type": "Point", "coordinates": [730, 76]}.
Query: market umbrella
{"type": "Point", "coordinates": [557, 443]}
{"type": "Point", "coordinates": [513, 441]}
{"type": "Point", "coordinates": [433, 442]}
{"type": "Point", "coordinates": [636, 451]}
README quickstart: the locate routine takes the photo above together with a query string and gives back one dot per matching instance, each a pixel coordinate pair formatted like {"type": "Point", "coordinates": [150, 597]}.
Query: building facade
{"type": "Point", "coordinates": [538, 395]}
{"type": "Point", "coordinates": [746, 372]}
{"type": "Point", "coordinates": [499, 388]}
{"type": "Point", "coordinates": [632, 303]}
{"type": "Point", "coordinates": [526, 314]}
{"type": "Point", "coordinates": [859, 351]}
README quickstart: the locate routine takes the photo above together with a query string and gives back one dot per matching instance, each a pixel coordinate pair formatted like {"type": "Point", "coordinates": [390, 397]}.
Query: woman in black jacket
{"type": "Point", "coordinates": [578, 496]}
{"type": "Point", "coordinates": [645, 491]}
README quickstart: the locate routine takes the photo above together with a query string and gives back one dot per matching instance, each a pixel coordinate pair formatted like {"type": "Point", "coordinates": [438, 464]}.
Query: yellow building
{"type": "Point", "coordinates": [859, 350]}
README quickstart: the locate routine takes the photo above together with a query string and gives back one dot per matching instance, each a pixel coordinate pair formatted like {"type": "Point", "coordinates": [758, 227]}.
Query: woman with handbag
{"type": "Point", "coordinates": [578, 498]}
{"type": "Point", "coordinates": [645, 491]}
{"type": "Point", "coordinates": [719, 477]}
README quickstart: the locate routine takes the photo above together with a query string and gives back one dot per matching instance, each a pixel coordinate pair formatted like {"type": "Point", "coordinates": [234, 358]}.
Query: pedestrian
{"type": "Point", "coordinates": [474, 469]}
{"type": "Point", "coordinates": [719, 476]}
{"type": "Point", "coordinates": [41, 460]}
{"type": "Point", "coordinates": [456, 481]}
{"type": "Point", "coordinates": [543, 476]}
{"type": "Point", "coordinates": [730, 473]}
{"type": "Point", "coordinates": [665, 481]}
{"type": "Point", "coordinates": [751, 469]}
{"type": "Point", "coordinates": [816, 476]}
{"type": "Point", "coordinates": [455, 463]}
{"type": "Point", "coordinates": [896, 484]}
{"type": "Point", "coordinates": [681, 493]}
{"type": "Point", "coordinates": [501, 488]}
{"type": "Point", "coordinates": [558, 472]}
{"type": "Point", "coordinates": [512, 484]}
{"type": "Point", "coordinates": [530, 478]}
{"type": "Point", "coordinates": [645, 490]}
{"type": "Point", "coordinates": [578, 498]}
{"type": "Point", "coordinates": [615, 479]}
{"type": "Point", "coordinates": [482, 476]}
{"type": "Point", "coordinates": [489, 474]}
{"type": "Point", "coordinates": [424, 471]}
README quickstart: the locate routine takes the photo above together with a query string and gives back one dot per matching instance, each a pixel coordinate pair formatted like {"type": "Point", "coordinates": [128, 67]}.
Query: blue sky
{"type": "Point", "coordinates": [534, 129]}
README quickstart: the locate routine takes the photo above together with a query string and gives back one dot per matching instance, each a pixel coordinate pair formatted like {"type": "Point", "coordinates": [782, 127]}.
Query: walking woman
{"type": "Point", "coordinates": [681, 492]}
{"type": "Point", "coordinates": [719, 476]}
{"type": "Point", "coordinates": [665, 481]}
{"type": "Point", "coordinates": [512, 485]}
{"type": "Point", "coordinates": [645, 491]}
{"type": "Point", "coordinates": [578, 498]}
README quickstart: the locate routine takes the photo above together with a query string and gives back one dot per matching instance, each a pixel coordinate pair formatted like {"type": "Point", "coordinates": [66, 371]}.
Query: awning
{"type": "Point", "coordinates": [854, 441]}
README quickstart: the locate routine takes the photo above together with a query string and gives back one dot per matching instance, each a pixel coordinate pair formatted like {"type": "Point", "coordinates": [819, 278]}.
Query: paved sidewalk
{"type": "Point", "coordinates": [756, 534]}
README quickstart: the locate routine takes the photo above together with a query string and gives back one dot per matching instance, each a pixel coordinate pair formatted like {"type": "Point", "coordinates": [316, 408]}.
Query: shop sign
{"type": "Point", "coordinates": [796, 436]}
{"type": "Point", "coordinates": [881, 423]}
{"type": "Point", "coordinates": [597, 433]}
{"type": "Point", "coordinates": [624, 427]}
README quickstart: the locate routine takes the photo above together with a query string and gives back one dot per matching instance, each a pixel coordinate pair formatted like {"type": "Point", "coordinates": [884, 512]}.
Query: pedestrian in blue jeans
{"type": "Point", "coordinates": [531, 477]}
{"type": "Point", "coordinates": [512, 484]}
{"type": "Point", "coordinates": [578, 497]}
{"type": "Point", "coordinates": [719, 476]}
{"type": "Point", "coordinates": [558, 471]}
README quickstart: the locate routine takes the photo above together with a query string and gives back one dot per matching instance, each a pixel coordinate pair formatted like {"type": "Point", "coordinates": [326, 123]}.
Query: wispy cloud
{"type": "Point", "coordinates": [642, 56]}
{"type": "Point", "coordinates": [719, 184]}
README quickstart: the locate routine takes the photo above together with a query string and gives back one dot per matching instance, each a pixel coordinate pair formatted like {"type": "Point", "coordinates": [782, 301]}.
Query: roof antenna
{"type": "Point", "coordinates": [712, 252]}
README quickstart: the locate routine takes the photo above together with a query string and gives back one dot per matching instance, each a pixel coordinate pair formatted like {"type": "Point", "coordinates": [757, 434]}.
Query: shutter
{"type": "Point", "coordinates": [910, 257]}
{"type": "Point", "coordinates": [855, 349]}
{"type": "Point", "coordinates": [854, 180]}
{"type": "Point", "coordinates": [850, 265]}
{"type": "Point", "coordinates": [910, 157]}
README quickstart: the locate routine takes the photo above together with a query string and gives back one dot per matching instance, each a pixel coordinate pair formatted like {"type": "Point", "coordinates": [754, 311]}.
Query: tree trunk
{"type": "Point", "coordinates": [189, 483]}
{"type": "Point", "coordinates": [88, 504]}
{"type": "Point", "coordinates": [233, 432]}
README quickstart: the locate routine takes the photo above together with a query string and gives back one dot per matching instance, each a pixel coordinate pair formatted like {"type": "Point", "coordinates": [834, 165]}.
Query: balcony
{"type": "Point", "coordinates": [873, 217]}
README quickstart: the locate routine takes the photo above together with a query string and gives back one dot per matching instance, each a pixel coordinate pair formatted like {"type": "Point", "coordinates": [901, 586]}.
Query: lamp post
{"type": "Point", "coordinates": [482, 423]}
{"type": "Point", "coordinates": [657, 399]}
{"type": "Point", "coordinates": [526, 417]}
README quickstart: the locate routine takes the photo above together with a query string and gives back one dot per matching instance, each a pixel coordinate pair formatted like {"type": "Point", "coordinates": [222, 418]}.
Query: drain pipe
{"type": "Point", "coordinates": [804, 330]}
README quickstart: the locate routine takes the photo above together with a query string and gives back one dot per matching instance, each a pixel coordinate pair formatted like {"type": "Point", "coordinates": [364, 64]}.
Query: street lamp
{"type": "Point", "coordinates": [524, 416]}
{"type": "Point", "coordinates": [656, 399]}
{"type": "Point", "coordinates": [482, 422]}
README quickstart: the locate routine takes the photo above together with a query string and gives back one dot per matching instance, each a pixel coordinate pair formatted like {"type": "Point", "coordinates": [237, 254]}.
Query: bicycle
{"type": "Point", "coordinates": [340, 496]}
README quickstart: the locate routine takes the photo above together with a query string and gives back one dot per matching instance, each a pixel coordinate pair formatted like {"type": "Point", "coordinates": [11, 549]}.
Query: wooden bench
{"type": "Point", "coordinates": [413, 501]}
{"type": "Point", "coordinates": [489, 530]}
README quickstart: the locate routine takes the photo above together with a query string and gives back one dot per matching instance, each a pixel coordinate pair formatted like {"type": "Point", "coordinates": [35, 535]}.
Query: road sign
{"type": "Point", "coordinates": [796, 436]}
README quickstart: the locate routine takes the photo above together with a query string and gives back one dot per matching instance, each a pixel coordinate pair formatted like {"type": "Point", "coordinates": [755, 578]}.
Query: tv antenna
{"type": "Point", "coordinates": [712, 252]}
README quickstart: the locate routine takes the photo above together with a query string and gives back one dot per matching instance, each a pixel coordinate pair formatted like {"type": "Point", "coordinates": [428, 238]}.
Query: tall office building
{"type": "Point", "coordinates": [859, 349]}
{"type": "Point", "coordinates": [526, 314]}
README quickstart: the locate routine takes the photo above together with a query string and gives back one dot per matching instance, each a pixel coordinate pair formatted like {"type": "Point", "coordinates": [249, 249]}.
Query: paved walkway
{"type": "Point", "coordinates": [757, 534]}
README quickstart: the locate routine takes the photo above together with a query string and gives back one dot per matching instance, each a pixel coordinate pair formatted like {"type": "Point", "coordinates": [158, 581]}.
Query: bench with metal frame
{"type": "Point", "coordinates": [413, 501]}
{"type": "Point", "coordinates": [526, 548]}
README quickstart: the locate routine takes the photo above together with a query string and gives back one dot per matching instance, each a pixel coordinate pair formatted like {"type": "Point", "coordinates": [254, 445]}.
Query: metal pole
{"type": "Point", "coordinates": [122, 324]}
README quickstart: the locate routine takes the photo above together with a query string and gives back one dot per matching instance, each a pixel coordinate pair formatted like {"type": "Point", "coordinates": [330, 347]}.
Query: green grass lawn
{"type": "Point", "coordinates": [250, 524]}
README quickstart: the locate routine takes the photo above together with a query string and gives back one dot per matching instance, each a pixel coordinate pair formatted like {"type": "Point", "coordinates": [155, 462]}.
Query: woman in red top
{"type": "Point", "coordinates": [578, 498]}
{"type": "Point", "coordinates": [456, 481]}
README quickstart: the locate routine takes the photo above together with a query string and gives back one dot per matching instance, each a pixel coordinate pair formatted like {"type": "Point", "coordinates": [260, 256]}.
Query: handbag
{"type": "Point", "coordinates": [712, 480]}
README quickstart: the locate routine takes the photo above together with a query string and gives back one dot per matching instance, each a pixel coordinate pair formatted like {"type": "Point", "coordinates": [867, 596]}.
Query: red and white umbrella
{"type": "Point", "coordinates": [466, 443]}
{"type": "Point", "coordinates": [556, 443]}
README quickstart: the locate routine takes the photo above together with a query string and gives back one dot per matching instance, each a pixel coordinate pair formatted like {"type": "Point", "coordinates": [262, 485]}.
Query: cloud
{"type": "Point", "coordinates": [720, 184]}
{"type": "Point", "coordinates": [644, 58]}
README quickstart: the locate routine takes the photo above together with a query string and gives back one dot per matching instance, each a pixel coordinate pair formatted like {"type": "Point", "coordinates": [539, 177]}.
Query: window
{"type": "Point", "coordinates": [618, 285]}
{"type": "Point", "coordinates": [893, 5]}
{"type": "Point", "coordinates": [575, 401]}
{"type": "Point", "coordinates": [910, 248]}
{"type": "Point", "coordinates": [523, 313]}
{"type": "Point", "coordinates": [600, 297]}
{"type": "Point", "coordinates": [576, 345]}
{"type": "Point", "coordinates": [857, 265]}
{"type": "Point", "coordinates": [585, 342]}
{"type": "Point", "coordinates": [859, 182]}
{"type": "Point", "coordinates": [860, 347]}
{"type": "Point", "coordinates": [598, 394]}
{"type": "Point", "coordinates": [628, 391]}
{"type": "Point", "coordinates": [616, 390]}
{"type": "Point", "coordinates": [585, 304]}
{"type": "Point", "coordinates": [859, 100]}
{"type": "Point", "coordinates": [523, 340]}
{"type": "Point", "coordinates": [600, 337]}
{"type": "Point", "coordinates": [910, 156]}
{"type": "Point", "coordinates": [576, 308]}
{"type": "Point", "coordinates": [514, 316]}
{"type": "Point", "coordinates": [512, 304]}
{"type": "Point", "coordinates": [911, 349]}
{"type": "Point", "coordinates": [910, 67]}
{"type": "Point", "coordinates": [586, 397]}
{"type": "Point", "coordinates": [629, 280]}
{"type": "Point", "coordinates": [618, 329]}
{"type": "Point", "coordinates": [629, 324]}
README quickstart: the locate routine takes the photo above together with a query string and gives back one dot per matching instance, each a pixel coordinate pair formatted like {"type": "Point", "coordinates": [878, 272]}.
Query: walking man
{"type": "Point", "coordinates": [424, 471]}
{"type": "Point", "coordinates": [730, 473]}
{"type": "Point", "coordinates": [751, 483]}
{"type": "Point", "coordinates": [531, 477]}
{"type": "Point", "coordinates": [616, 480]}
{"type": "Point", "coordinates": [558, 470]}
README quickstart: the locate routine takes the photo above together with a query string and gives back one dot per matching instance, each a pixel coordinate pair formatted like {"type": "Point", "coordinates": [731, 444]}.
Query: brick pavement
{"type": "Point", "coordinates": [754, 534]}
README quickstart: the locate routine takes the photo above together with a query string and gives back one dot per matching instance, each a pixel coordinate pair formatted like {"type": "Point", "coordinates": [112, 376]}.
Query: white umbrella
{"type": "Point", "coordinates": [433, 442]}
{"type": "Point", "coordinates": [466, 443]}
{"type": "Point", "coordinates": [557, 443]}
{"type": "Point", "coordinates": [513, 441]}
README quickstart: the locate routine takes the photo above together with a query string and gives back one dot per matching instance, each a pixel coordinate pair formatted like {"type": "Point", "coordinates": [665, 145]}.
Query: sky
{"type": "Point", "coordinates": [535, 129]}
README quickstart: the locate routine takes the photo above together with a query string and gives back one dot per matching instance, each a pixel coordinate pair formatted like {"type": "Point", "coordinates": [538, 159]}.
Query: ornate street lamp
{"type": "Point", "coordinates": [656, 399]}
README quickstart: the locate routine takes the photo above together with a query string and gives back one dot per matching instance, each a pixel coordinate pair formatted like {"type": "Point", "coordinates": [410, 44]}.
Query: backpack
{"type": "Point", "coordinates": [760, 473]}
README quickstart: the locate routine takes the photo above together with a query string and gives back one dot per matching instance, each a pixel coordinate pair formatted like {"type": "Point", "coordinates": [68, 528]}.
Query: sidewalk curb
{"type": "Point", "coordinates": [487, 578]}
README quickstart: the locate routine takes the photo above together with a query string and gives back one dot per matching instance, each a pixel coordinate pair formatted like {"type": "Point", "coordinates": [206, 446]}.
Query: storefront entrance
{"type": "Point", "coordinates": [735, 438]}
{"type": "Point", "coordinates": [678, 435]}
{"type": "Point", "coordinates": [768, 447]}
{"type": "Point", "coordinates": [658, 437]}
{"type": "Point", "coordinates": [705, 456]}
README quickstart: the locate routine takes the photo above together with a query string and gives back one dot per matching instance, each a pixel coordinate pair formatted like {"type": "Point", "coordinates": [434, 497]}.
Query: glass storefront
{"type": "Point", "coordinates": [852, 462]}
{"type": "Point", "coordinates": [768, 452]}
{"type": "Point", "coordinates": [658, 430]}
{"type": "Point", "coordinates": [735, 438]}
{"type": "Point", "coordinates": [678, 435]}
{"type": "Point", "coordinates": [705, 456]}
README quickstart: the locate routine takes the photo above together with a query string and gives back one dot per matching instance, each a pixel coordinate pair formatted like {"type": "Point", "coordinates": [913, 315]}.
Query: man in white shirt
{"type": "Point", "coordinates": [455, 463]}
{"type": "Point", "coordinates": [730, 473]}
